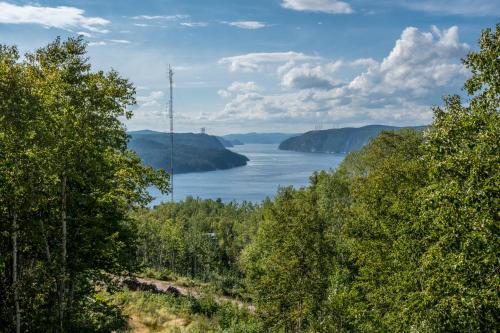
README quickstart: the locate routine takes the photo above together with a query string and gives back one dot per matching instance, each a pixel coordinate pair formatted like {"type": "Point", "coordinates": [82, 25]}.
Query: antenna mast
{"type": "Point", "coordinates": [171, 116]}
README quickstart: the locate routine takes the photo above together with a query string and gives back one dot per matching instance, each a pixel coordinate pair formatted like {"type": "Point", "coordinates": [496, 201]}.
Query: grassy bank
{"type": "Point", "coordinates": [199, 311]}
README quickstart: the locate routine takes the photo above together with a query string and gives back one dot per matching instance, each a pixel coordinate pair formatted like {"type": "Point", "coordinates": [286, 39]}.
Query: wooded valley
{"type": "Point", "coordinates": [402, 237]}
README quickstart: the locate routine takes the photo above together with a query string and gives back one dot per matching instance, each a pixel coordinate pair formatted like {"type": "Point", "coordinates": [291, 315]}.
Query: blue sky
{"type": "Point", "coordinates": [269, 65]}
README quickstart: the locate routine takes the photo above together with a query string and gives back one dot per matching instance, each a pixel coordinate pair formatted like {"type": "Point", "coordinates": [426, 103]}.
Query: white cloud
{"type": "Point", "coordinates": [252, 25]}
{"type": "Point", "coordinates": [365, 62]}
{"type": "Point", "coordinates": [161, 17]}
{"type": "Point", "coordinates": [143, 25]}
{"type": "Point", "coordinates": [110, 41]}
{"type": "Point", "coordinates": [399, 89]}
{"type": "Point", "coordinates": [100, 43]}
{"type": "Point", "coordinates": [224, 93]}
{"type": "Point", "coordinates": [455, 7]}
{"type": "Point", "coordinates": [419, 63]}
{"type": "Point", "coordinates": [308, 76]}
{"type": "Point", "coordinates": [151, 100]}
{"type": "Point", "coordinates": [324, 6]}
{"type": "Point", "coordinates": [84, 34]}
{"type": "Point", "coordinates": [194, 24]}
{"type": "Point", "coordinates": [120, 41]}
{"type": "Point", "coordinates": [252, 62]}
{"type": "Point", "coordinates": [61, 17]}
{"type": "Point", "coordinates": [238, 88]}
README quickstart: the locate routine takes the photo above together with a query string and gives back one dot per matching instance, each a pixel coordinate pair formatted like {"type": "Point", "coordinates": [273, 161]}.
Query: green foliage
{"type": "Point", "coordinates": [461, 207]}
{"type": "Point", "coordinates": [412, 227]}
{"type": "Point", "coordinates": [192, 153]}
{"type": "Point", "coordinates": [287, 264]}
{"type": "Point", "coordinates": [67, 183]}
{"type": "Point", "coordinates": [403, 236]}
{"type": "Point", "coordinates": [336, 140]}
{"type": "Point", "coordinates": [203, 240]}
{"type": "Point", "coordinates": [166, 313]}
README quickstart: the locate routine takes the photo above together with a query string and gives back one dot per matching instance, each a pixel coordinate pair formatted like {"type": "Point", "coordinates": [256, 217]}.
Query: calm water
{"type": "Point", "coordinates": [267, 169]}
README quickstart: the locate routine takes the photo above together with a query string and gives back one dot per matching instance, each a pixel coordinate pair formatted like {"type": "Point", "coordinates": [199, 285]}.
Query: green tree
{"type": "Point", "coordinates": [369, 202]}
{"type": "Point", "coordinates": [287, 263]}
{"type": "Point", "coordinates": [70, 183]}
{"type": "Point", "coordinates": [18, 116]}
{"type": "Point", "coordinates": [460, 210]}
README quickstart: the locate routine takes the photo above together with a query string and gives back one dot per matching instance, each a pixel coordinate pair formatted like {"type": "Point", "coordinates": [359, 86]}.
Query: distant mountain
{"type": "Point", "coordinates": [192, 152]}
{"type": "Point", "coordinates": [268, 138]}
{"type": "Point", "coordinates": [237, 142]}
{"type": "Point", "coordinates": [229, 143]}
{"type": "Point", "coordinates": [341, 140]}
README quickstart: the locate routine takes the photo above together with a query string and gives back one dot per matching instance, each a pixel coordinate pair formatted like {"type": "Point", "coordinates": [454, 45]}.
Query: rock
{"type": "Point", "coordinates": [174, 291]}
{"type": "Point", "coordinates": [135, 284]}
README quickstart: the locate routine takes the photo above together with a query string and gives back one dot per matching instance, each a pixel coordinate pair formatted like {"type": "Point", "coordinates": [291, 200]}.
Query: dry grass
{"type": "Point", "coordinates": [155, 313]}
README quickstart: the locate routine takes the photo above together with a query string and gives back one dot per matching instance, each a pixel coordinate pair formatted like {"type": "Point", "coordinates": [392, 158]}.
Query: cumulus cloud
{"type": "Point", "coordinates": [364, 62]}
{"type": "Point", "coordinates": [307, 76]}
{"type": "Point", "coordinates": [252, 62]}
{"type": "Point", "coordinates": [399, 89]}
{"type": "Point", "coordinates": [61, 17]}
{"type": "Point", "coordinates": [325, 6]}
{"type": "Point", "coordinates": [150, 100]}
{"type": "Point", "coordinates": [256, 106]}
{"type": "Point", "coordinates": [238, 88]}
{"type": "Point", "coordinates": [251, 25]}
{"type": "Point", "coordinates": [419, 63]}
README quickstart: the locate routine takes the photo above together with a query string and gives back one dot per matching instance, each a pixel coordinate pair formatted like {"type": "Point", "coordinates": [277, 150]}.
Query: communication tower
{"type": "Point", "coordinates": [171, 116]}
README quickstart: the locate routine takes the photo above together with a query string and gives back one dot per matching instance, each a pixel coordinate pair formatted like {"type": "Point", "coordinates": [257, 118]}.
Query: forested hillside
{"type": "Point", "coordinates": [336, 140]}
{"type": "Point", "coordinates": [402, 237]}
{"type": "Point", "coordinates": [229, 143]}
{"type": "Point", "coordinates": [192, 152]}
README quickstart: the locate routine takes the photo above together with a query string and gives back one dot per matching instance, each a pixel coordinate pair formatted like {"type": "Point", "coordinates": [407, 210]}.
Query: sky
{"type": "Point", "coordinates": [268, 65]}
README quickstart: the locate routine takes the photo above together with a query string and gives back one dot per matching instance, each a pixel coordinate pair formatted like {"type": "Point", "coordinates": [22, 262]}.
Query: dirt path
{"type": "Point", "coordinates": [195, 292]}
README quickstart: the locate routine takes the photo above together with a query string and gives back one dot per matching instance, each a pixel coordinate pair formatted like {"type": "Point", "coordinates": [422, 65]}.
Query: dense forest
{"type": "Point", "coordinates": [336, 140]}
{"type": "Point", "coordinates": [402, 237]}
{"type": "Point", "coordinates": [67, 184]}
{"type": "Point", "coordinates": [192, 152]}
{"type": "Point", "coordinates": [229, 143]}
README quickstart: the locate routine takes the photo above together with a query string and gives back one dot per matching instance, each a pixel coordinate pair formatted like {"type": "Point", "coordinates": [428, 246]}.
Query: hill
{"type": "Point", "coordinates": [267, 138]}
{"type": "Point", "coordinates": [192, 152]}
{"type": "Point", "coordinates": [341, 140]}
{"type": "Point", "coordinates": [229, 143]}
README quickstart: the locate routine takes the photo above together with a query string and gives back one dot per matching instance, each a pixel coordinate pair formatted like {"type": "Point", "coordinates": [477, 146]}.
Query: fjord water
{"type": "Point", "coordinates": [267, 169]}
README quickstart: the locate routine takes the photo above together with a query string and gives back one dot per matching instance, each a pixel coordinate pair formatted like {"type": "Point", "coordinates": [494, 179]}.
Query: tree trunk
{"type": "Point", "coordinates": [62, 283]}
{"type": "Point", "coordinates": [14, 273]}
{"type": "Point", "coordinates": [46, 243]}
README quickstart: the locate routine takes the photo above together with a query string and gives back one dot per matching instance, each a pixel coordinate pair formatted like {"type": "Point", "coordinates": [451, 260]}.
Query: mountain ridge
{"type": "Point", "coordinates": [260, 138]}
{"type": "Point", "coordinates": [192, 152]}
{"type": "Point", "coordinates": [338, 140]}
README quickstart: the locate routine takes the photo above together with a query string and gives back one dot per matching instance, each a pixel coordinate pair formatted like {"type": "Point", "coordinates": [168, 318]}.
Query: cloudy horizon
{"type": "Point", "coordinates": [269, 65]}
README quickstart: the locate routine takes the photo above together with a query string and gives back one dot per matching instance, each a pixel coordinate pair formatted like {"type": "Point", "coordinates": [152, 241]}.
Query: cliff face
{"type": "Point", "coordinates": [192, 152]}
{"type": "Point", "coordinates": [341, 140]}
